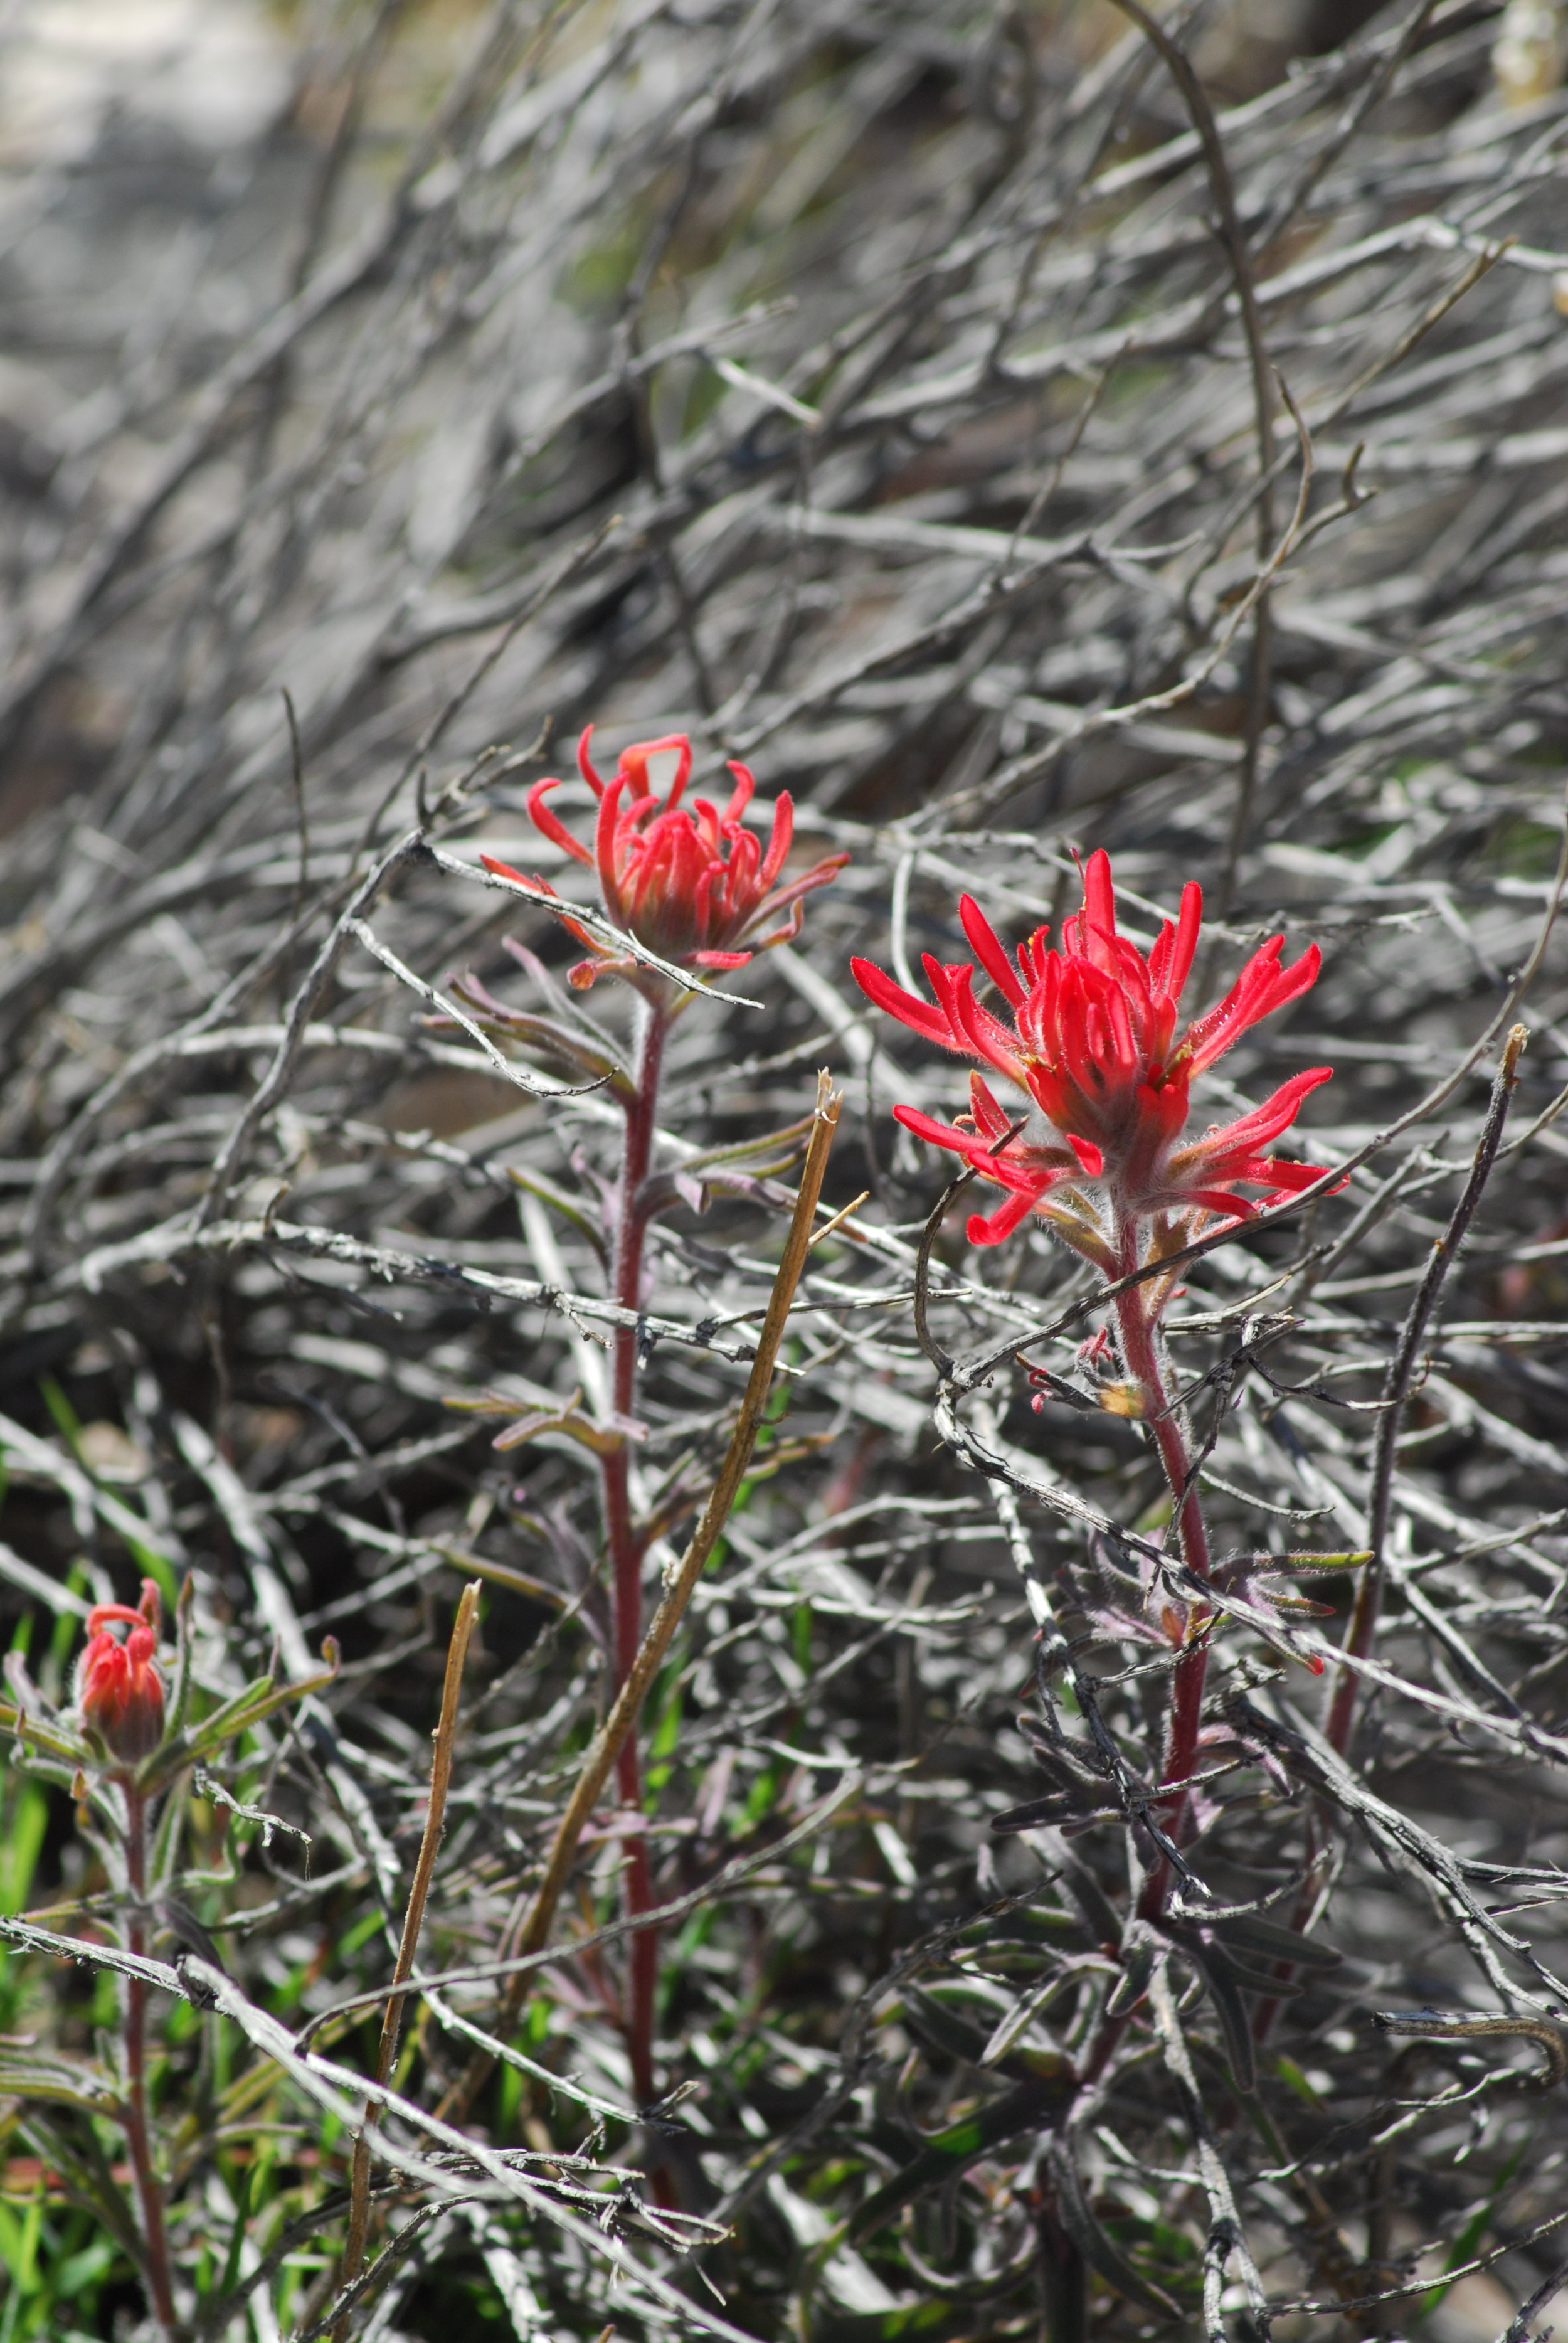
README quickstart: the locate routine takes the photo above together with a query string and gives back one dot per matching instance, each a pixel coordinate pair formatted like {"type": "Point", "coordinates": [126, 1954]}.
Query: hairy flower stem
{"type": "Point", "coordinates": [1138, 1323]}
{"type": "Point", "coordinates": [626, 1546]}
{"type": "Point", "coordinates": [150, 2192]}
{"type": "Point", "coordinates": [1138, 1320]}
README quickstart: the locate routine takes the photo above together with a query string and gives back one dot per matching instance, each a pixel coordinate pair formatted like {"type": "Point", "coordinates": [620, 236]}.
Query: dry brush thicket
{"type": "Point", "coordinates": [1013, 440]}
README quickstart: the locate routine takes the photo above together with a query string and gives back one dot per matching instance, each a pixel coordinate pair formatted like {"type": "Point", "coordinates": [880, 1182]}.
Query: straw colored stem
{"type": "Point", "coordinates": [413, 1921]}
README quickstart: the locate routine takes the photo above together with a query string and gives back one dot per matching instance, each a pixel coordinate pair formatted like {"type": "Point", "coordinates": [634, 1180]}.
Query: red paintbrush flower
{"type": "Point", "coordinates": [691, 884]}
{"type": "Point", "coordinates": [119, 1692]}
{"type": "Point", "coordinates": [1093, 1044]}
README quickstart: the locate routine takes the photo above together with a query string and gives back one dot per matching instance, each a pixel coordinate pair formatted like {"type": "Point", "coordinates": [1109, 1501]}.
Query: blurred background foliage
{"type": "Point", "coordinates": [867, 391]}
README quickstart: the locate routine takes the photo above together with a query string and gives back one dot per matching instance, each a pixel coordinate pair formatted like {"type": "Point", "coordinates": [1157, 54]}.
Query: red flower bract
{"type": "Point", "coordinates": [690, 883]}
{"type": "Point", "coordinates": [1093, 1044]}
{"type": "Point", "coordinates": [119, 1692]}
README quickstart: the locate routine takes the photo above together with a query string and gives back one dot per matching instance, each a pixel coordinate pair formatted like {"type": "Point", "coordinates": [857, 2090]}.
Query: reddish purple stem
{"type": "Point", "coordinates": [1138, 1323]}
{"type": "Point", "coordinates": [1137, 1318]}
{"type": "Point", "coordinates": [626, 1546]}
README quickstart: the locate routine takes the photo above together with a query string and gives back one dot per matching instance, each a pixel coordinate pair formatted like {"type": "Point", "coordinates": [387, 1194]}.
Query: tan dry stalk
{"type": "Point", "coordinates": [622, 1718]}
{"type": "Point", "coordinates": [413, 1921]}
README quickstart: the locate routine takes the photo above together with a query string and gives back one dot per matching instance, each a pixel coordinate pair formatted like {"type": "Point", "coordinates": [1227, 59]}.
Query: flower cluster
{"type": "Point", "coordinates": [1093, 1044]}
{"type": "Point", "coordinates": [119, 1692]}
{"type": "Point", "coordinates": [689, 883]}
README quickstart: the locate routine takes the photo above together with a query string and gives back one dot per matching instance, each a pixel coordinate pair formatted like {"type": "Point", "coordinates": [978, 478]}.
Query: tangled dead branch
{"type": "Point", "coordinates": [1013, 432]}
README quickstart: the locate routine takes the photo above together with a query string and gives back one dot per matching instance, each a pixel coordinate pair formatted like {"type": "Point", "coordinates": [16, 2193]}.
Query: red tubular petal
{"type": "Point", "coordinates": [576, 928]}
{"type": "Point", "coordinates": [1113, 1002]}
{"type": "Point", "coordinates": [787, 933]}
{"type": "Point", "coordinates": [1001, 1224]}
{"type": "Point", "coordinates": [634, 763]}
{"type": "Point", "coordinates": [779, 837]}
{"type": "Point", "coordinates": [1189, 921]}
{"type": "Point", "coordinates": [719, 958]}
{"type": "Point", "coordinates": [1263, 987]}
{"type": "Point", "coordinates": [1098, 895]}
{"type": "Point", "coordinates": [706, 817]}
{"type": "Point", "coordinates": [1164, 1110]}
{"type": "Point", "coordinates": [1213, 1034]}
{"type": "Point", "coordinates": [990, 1120]}
{"type": "Point", "coordinates": [909, 1010]}
{"type": "Point", "coordinates": [707, 916]}
{"type": "Point", "coordinates": [584, 762]}
{"type": "Point", "coordinates": [1221, 1201]}
{"type": "Point", "coordinates": [744, 791]}
{"type": "Point", "coordinates": [606, 841]}
{"type": "Point", "coordinates": [541, 887]}
{"type": "Point", "coordinates": [1091, 1157]}
{"type": "Point", "coordinates": [821, 874]}
{"type": "Point", "coordinates": [1294, 982]}
{"type": "Point", "coordinates": [1289, 1177]}
{"type": "Point", "coordinates": [1032, 958]}
{"type": "Point", "coordinates": [978, 1031]}
{"type": "Point", "coordinates": [1171, 961]}
{"type": "Point", "coordinates": [1235, 1140]}
{"type": "Point", "coordinates": [938, 1134]}
{"type": "Point", "coordinates": [740, 879]}
{"type": "Point", "coordinates": [676, 898]}
{"type": "Point", "coordinates": [990, 951]}
{"type": "Point", "coordinates": [550, 824]}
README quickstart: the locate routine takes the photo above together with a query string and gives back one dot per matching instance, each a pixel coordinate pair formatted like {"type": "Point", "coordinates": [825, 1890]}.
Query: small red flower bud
{"type": "Point", "coordinates": [119, 1692]}
{"type": "Point", "coordinates": [691, 884]}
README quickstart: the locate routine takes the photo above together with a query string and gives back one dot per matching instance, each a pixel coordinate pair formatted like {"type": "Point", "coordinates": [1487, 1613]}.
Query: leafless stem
{"type": "Point", "coordinates": [1400, 1377]}
{"type": "Point", "coordinates": [413, 1922]}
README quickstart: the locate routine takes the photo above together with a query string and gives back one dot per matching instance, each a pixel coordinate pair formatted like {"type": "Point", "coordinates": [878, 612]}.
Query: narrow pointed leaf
{"type": "Point", "coordinates": [1100, 2250]}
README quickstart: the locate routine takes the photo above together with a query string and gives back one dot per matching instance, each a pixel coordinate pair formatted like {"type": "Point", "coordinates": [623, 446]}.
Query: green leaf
{"type": "Point", "coordinates": [1026, 2108]}
{"type": "Point", "coordinates": [1474, 2229]}
{"type": "Point", "coordinates": [1100, 1916]}
{"type": "Point", "coordinates": [1137, 1968]}
{"type": "Point", "coordinates": [60, 2081]}
{"type": "Point", "coordinates": [24, 1828]}
{"type": "Point", "coordinates": [1099, 2250]}
{"type": "Point", "coordinates": [1252, 1933]}
{"type": "Point", "coordinates": [1224, 1984]}
{"type": "Point", "coordinates": [1293, 2080]}
{"type": "Point", "coordinates": [258, 1700]}
{"type": "Point", "coordinates": [237, 2238]}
